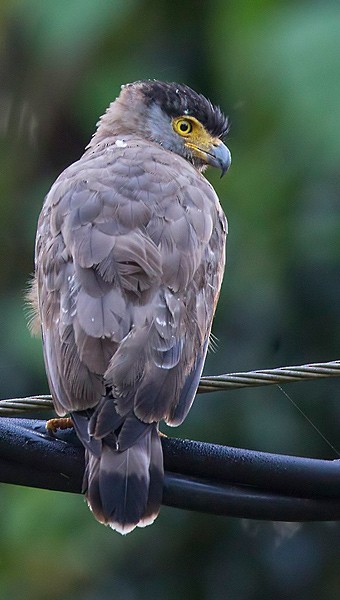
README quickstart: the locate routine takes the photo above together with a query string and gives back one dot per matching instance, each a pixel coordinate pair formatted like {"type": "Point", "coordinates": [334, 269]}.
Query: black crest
{"type": "Point", "coordinates": [177, 99]}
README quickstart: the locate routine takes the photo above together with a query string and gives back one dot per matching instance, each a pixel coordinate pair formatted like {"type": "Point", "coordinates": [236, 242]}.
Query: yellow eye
{"type": "Point", "coordinates": [183, 126]}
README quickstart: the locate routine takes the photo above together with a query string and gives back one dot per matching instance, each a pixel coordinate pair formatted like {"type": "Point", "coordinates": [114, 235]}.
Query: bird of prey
{"type": "Point", "coordinates": [129, 261]}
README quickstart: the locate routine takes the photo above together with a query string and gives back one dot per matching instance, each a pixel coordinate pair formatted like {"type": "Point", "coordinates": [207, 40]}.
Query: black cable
{"type": "Point", "coordinates": [245, 502]}
{"type": "Point", "coordinates": [293, 475]}
{"type": "Point", "coordinates": [199, 476]}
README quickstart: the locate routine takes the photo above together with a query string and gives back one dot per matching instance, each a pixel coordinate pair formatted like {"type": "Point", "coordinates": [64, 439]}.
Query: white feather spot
{"type": "Point", "coordinates": [120, 144]}
{"type": "Point", "coordinates": [161, 322]}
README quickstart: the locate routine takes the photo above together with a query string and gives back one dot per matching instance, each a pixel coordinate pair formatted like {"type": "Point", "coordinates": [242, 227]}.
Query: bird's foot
{"type": "Point", "coordinates": [53, 425]}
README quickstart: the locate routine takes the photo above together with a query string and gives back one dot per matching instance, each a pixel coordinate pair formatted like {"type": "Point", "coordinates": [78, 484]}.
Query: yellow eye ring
{"type": "Point", "coordinates": [183, 126]}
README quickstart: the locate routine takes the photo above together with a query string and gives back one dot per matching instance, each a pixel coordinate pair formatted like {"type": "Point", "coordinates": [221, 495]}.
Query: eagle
{"type": "Point", "coordinates": [129, 260]}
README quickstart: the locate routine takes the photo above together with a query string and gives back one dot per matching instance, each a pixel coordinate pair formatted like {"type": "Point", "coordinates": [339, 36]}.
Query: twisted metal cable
{"type": "Point", "coordinates": [212, 383]}
{"type": "Point", "coordinates": [13, 407]}
{"type": "Point", "coordinates": [269, 376]}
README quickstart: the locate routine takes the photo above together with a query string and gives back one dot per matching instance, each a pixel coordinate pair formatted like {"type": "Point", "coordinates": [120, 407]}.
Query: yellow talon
{"type": "Point", "coordinates": [59, 423]}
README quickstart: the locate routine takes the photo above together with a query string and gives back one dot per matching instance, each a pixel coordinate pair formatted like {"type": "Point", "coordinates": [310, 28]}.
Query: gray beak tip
{"type": "Point", "coordinates": [220, 157]}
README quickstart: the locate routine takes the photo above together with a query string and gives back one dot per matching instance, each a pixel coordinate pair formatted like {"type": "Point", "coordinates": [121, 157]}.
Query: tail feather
{"type": "Point", "coordinates": [124, 488]}
{"type": "Point", "coordinates": [156, 471]}
{"type": "Point", "coordinates": [81, 424]}
{"type": "Point", "coordinates": [104, 419]}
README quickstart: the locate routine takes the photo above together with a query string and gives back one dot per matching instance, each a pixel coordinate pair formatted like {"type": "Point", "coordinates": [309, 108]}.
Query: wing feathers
{"type": "Point", "coordinates": [129, 261]}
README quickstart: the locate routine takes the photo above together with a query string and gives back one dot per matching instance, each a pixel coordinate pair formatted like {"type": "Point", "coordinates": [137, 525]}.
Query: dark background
{"type": "Point", "coordinates": [274, 67]}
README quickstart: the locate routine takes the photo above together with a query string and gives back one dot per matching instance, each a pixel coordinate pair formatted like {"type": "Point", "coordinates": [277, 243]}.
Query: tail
{"type": "Point", "coordinates": [123, 485]}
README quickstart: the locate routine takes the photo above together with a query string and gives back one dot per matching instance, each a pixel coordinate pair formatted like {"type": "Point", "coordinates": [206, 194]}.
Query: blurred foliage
{"type": "Point", "coordinates": [275, 68]}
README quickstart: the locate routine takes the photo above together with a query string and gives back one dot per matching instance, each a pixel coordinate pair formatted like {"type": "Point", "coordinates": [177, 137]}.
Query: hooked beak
{"type": "Point", "coordinates": [219, 156]}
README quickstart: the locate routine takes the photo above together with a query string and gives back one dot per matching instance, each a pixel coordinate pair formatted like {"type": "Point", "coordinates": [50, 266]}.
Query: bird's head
{"type": "Point", "coordinates": [174, 116]}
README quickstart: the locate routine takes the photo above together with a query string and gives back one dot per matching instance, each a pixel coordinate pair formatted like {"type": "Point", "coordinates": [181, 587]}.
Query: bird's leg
{"type": "Point", "coordinates": [160, 433]}
{"type": "Point", "coordinates": [53, 425]}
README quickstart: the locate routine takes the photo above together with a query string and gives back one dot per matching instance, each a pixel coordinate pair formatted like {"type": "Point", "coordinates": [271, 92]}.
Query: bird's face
{"type": "Point", "coordinates": [174, 116]}
{"type": "Point", "coordinates": [200, 146]}
{"type": "Point", "coordinates": [187, 123]}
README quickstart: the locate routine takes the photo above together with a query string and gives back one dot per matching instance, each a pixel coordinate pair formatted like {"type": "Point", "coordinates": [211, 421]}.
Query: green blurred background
{"type": "Point", "coordinates": [274, 67]}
